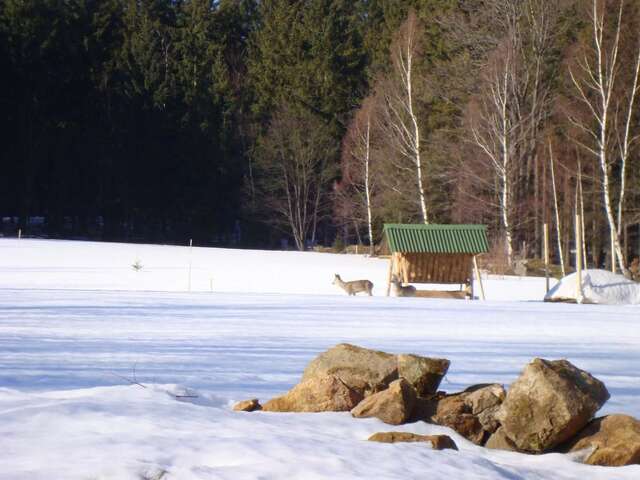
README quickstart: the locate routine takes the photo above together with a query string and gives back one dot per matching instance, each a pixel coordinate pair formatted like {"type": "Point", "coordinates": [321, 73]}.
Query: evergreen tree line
{"type": "Point", "coordinates": [249, 122]}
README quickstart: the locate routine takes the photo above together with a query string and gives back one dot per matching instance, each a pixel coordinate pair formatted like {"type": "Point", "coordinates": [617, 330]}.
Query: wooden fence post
{"type": "Point", "coordinates": [613, 252]}
{"type": "Point", "coordinates": [475, 267]}
{"type": "Point", "coordinates": [546, 255]}
{"type": "Point", "coordinates": [579, 295]}
{"type": "Point", "coordinates": [190, 262]}
{"type": "Point", "coordinates": [391, 265]}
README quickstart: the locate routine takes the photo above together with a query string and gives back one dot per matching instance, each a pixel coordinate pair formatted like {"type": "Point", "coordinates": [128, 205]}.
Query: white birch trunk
{"type": "Point", "coordinates": [367, 185]}
{"type": "Point", "coordinates": [416, 131]}
{"type": "Point", "coordinates": [557, 212]}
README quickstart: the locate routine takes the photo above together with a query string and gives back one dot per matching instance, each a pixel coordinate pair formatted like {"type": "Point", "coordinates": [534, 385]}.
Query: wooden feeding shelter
{"type": "Point", "coordinates": [436, 254]}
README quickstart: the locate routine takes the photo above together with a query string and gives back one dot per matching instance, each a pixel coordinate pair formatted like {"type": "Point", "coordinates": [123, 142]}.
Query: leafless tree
{"type": "Point", "coordinates": [399, 120]}
{"type": "Point", "coordinates": [495, 130]}
{"type": "Point", "coordinates": [513, 102]}
{"type": "Point", "coordinates": [599, 85]}
{"type": "Point", "coordinates": [358, 169]}
{"type": "Point", "coordinates": [292, 160]}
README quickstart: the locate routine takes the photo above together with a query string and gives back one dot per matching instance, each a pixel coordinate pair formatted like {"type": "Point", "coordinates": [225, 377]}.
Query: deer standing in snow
{"type": "Point", "coordinates": [400, 291]}
{"type": "Point", "coordinates": [353, 287]}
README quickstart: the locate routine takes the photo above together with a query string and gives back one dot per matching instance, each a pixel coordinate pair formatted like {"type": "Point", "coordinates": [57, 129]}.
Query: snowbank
{"type": "Point", "coordinates": [76, 321]}
{"type": "Point", "coordinates": [72, 265]}
{"type": "Point", "coordinates": [598, 286]}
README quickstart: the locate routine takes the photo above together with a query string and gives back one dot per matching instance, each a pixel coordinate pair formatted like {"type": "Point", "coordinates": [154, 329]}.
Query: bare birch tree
{"type": "Point", "coordinates": [556, 210]}
{"type": "Point", "coordinates": [358, 169]}
{"type": "Point", "coordinates": [494, 132]}
{"type": "Point", "coordinates": [598, 87]}
{"type": "Point", "coordinates": [514, 101]}
{"type": "Point", "coordinates": [399, 121]}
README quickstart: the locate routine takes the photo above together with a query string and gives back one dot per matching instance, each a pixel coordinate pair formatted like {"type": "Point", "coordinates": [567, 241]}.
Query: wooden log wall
{"type": "Point", "coordinates": [434, 268]}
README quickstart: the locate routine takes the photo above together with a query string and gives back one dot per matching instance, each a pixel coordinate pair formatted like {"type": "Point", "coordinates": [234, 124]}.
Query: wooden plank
{"type": "Point", "coordinates": [391, 260]}
{"type": "Point", "coordinates": [435, 268]}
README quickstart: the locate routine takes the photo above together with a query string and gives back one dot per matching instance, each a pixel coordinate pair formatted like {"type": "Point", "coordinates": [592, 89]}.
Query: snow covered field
{"type": "Point", "coordinates": [76, 322]}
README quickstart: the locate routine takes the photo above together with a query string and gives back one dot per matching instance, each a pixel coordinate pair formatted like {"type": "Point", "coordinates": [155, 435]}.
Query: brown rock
{"type": "Point", "coordinates": [472, 412]}
{"type": "Point", "coordinates": [425, 408]}
{"type": "Point", "coordinates": [485, 397]}
{"type": "Point", "coordinates": [437, 442]}
{"type": "Point", "coordinates": [453, 404]}
{"type": "Point", "coordinates": [425, 374]}
{"type": "Point", "coordinates": [467, 425]}
{"type": "Point", "coordinates": [549, 403]}
{"type": "Point", "coordinates": [393, 406]}
{"type": "Point", "coordinates": [364, 370]}
{"type": "Point", "coordinates": [485, 403]}
{"type": "Point", "coordinates": [247, 405]}
{"type": "Point", "coordinates": [488, 420]}
{"type": "Point", "coordinates": [499, 441]}
{"type": "Point", "coordinates": [319, 394]}
{"type": "Point", "coordinates": [615, 440]}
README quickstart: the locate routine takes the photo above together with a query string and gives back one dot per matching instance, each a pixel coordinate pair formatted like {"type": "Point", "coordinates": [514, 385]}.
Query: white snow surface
{"type": "Point", "coordinates": [78, 325]}
{"type": "Point", "coordinates": [598, 286]}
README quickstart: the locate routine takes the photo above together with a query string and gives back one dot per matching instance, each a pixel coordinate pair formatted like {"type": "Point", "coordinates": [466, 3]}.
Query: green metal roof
{"type": "Point", "coordinates": [430, 238]}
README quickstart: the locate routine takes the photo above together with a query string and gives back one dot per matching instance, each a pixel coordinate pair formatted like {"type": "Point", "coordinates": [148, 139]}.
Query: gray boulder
{"type": "Point", "coordinates": [549, 403]}
{"type": "Point", "coordinates": [361, 369]}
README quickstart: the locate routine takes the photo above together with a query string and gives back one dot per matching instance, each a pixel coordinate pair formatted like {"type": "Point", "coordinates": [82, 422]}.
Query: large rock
{"type": "Point", "coordinates": [319, 394]}
{"type": "Point", "coordinates": [614, 439]}
{"type": "Point", "coordinates": [393, 406]}
{"type": "Point", "coordinates": [425, 374]}
{"type": "Point", "coordinates": [364, 370]}
{"type": "Point", "coordinates": [471, 413]}
{"type": "Point", "coordinates": [549, 403]}
{"type": "Point", "coordinates": [436, 442]}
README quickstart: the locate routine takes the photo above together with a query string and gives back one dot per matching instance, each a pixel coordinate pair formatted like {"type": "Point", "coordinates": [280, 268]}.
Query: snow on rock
{"type": "Point", "coordinates": [598, 286]}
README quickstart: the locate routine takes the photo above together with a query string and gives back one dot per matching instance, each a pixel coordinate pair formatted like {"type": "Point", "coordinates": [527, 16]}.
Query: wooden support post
{"type": "Point", "coordinates": [391, 265]}
{"type": "Point", "coordinates": [190, 261]}
{"type": "Point", "coordinates": [625, 246]}
{"type": "Point", "coordinates": [579, 295]}
{"type": "Point", "coordinates": [583, 244]}
{"type": "Point", "coordinates": [613, 252]}
{"type": "Point", "coordinates": [546, 255]}
{"type": "Point", "coordinates": [475, 267]}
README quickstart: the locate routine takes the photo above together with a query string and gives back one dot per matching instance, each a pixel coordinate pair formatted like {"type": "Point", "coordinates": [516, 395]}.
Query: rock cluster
{"type": "Point", "coordinates": [550, 407]}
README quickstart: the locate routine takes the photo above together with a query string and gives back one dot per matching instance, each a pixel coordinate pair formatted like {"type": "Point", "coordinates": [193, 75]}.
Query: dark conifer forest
{"type": "Point", "coordinates": [313, 122]}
